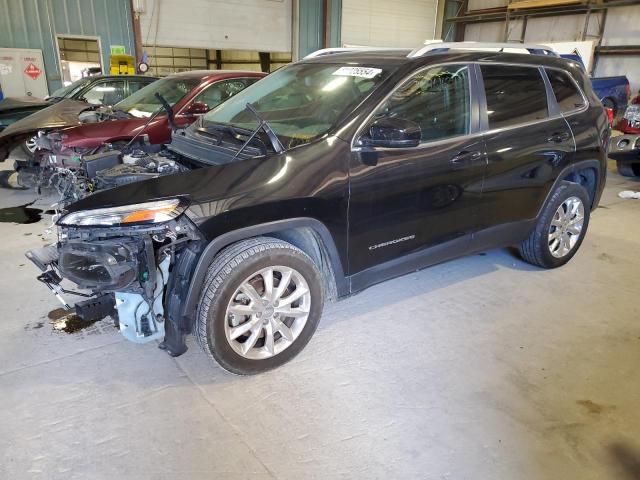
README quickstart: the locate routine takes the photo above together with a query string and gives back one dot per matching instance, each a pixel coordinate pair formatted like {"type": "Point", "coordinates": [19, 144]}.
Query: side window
{"type": "Point", "coordinates": [436, 99]}
{"type": "Point", "coordinates": [514, 95]}
{"type": "Point", "coordinates": [220, 91]}
{"type": "Point", "coordinates": [567, 94]}
{"type": "Point", "coordinates": [135, 85]}
{"type": "Point", "coordinates": [105, 93]}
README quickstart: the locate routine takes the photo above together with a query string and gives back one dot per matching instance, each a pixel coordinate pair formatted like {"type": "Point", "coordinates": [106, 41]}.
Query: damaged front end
{"type": "Point", "coordinates": [75, 172]}
{"type": "Point", "coordinates": [124, 257]}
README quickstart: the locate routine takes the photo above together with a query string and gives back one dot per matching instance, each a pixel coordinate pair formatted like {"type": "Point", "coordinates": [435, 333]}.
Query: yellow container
{"type": "Point", "coordinates": [122, 65]}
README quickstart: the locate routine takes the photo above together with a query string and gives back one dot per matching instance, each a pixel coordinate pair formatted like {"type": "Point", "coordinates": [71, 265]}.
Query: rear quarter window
{"type": "Point", "coordinates": [565, 90]}
{"type": "Point", "coordinates": [514, 95]}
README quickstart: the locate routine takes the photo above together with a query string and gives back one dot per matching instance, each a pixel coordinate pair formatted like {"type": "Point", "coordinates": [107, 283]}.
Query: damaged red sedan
{"type": "Point", "coordinates": [66, 135]}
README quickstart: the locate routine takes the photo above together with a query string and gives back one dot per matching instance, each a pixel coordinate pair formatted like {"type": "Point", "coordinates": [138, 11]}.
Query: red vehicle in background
{"type": "Point", "coordinates": [71, 132]}
{"type": "Point", "coordinates": [189, 94]}
{"type": "Point", "coordinates": [630, 123]}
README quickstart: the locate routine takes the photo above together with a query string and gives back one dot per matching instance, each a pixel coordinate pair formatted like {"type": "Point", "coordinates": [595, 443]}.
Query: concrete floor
{"type": "Point", "coordinates": [480, 368]}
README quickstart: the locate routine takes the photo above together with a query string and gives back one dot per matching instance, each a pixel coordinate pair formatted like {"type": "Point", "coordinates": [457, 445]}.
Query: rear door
{"type": "Point", "coordinates": [527, 143]}
{"type": "Point", "coordinates": [406, 199]}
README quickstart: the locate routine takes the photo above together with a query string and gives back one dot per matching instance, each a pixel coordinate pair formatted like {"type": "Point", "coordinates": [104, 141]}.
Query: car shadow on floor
{"type": "Point", "coordinates": [626, 458]}
{"type": "Point", "coordinates": [426, 281]}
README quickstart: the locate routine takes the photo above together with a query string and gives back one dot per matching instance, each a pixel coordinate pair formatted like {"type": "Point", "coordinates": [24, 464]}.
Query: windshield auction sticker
{"type": "Point", "coordinates": [364, 72]}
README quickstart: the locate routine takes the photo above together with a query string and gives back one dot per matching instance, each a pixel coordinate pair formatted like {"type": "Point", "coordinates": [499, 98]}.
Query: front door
{"type": "Point", "coordinates": [407, 199]}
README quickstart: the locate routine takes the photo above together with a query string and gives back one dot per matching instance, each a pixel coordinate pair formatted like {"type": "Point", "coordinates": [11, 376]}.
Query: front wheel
{"type": "Point", "coordinates": [261, 303]}
{"type": "Point", "coordinates": [560, 228]}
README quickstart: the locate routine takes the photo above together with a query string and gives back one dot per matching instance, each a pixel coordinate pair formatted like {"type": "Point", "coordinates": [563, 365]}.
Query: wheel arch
{"type": "Point", "coordinates": [308, 234]}
{"type": "Point", "coordinates": [574, 173]}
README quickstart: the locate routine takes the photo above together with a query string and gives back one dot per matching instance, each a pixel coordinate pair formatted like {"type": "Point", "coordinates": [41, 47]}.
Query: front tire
{"type": "Point", "coordinates": [628, 169]}
{"type": "Point", "coordinates": [261, 302]}
{"type": "Point", "coordinates": [560, 228]}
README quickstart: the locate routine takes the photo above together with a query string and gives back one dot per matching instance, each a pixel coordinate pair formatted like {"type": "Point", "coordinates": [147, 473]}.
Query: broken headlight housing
{"type": "Point", "coordinates": [137, 214]}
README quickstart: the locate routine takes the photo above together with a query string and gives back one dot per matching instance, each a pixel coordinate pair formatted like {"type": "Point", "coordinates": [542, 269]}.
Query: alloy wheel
{"type": "Point", "coordinates": [267, 312]}
{"type": "Point", "coordinates": [566, 227]}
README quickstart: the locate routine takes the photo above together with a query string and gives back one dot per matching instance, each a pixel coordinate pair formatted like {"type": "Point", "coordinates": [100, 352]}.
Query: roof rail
{"type": "Point", "coordinates": [330, 51]}
{"type": "Point", "coordinates": [436, 47]}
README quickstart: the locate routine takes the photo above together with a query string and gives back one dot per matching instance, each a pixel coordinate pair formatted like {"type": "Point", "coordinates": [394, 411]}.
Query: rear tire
{"type": "Point", "coordinates": [246, 319]}
{"type": "Point", "coordinates": [560, 228]}
{"type": "Point", "coordinates": [628, 169]}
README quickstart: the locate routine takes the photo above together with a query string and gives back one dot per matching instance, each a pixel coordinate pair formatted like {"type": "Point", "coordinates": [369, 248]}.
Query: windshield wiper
{"type": "Point", "coordinates": [217, 130]}
{"type": "Point", "coordinates": [262, 125]}
{"type": "Point", "coordinates": [151, 117]}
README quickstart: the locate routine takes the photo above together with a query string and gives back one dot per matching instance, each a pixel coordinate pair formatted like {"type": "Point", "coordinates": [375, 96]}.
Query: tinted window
{"type": "Point", "coordinates": [514, 95]}
{"type": "Point", "coordinates": [217, 93]}
{"type": "Point", "coordinates": [144, 102]}
{"type": "Point", "coordinates": [565, 90]}
{"type": "Point", "coordinates": [135, 85]}
{"type": "Point", "coordinates": [436, 99]}
{"type": "Point", "coordinates": [301, 101]}
{"type": "Point", "coordinates": [105, 93]}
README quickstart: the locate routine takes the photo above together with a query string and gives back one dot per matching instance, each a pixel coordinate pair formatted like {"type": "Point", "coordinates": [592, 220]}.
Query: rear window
{"type": "Point", "coordinates": [567, 94]}
{"type": "Point", "coordinates": [514, 95]}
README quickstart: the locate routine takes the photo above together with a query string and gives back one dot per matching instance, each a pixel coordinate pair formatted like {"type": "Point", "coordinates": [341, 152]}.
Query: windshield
{"type": "Point", "coordinates": [300, 102]}
{"type": "Point", "coordinates": [144, 102]}
{"type": "Point", "coordinates": [71, 89]}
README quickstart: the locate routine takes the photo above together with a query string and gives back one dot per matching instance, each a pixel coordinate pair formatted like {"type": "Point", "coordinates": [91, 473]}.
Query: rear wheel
{"type": "Point", "coordinates": [260, 305]}
{"type": "Point", "coordinates": [628, 169]}
{"type": "Point", "coordinates": [560, 228]}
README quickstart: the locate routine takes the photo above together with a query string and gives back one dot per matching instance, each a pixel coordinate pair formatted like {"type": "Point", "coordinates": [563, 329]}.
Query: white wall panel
{"type": "Point", "coordinates": [622, 26]}
{"type": "Point", "coordinates": [482, 4]}
{"type": "Point", "coordinates": [614, 65]}
{"type": "Point", "coordinates": [484, 32]}
{"type": "Point", "coordinates": [383, 23]}
{"type": "Point", "coordinates": [263, 25]}
{"type": "Point", "coordinates": [554, 29]}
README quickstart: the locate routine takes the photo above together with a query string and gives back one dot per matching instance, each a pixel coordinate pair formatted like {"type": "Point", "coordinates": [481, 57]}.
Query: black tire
{"type": "Point", "coordinates": [228, 270]}
{"type": "Point", "coordinates": [628, 169]}
{"type": "Point", "coordinates": [535, 249]}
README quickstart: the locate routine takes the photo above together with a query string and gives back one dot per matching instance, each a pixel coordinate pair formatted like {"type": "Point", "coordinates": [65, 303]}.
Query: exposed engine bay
{"type": "Point", "coordinates": [75, 174]}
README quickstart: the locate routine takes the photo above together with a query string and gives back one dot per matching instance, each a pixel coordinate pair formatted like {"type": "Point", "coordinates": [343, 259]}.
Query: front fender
{"type": "Point", "coordinates": [205, 259]}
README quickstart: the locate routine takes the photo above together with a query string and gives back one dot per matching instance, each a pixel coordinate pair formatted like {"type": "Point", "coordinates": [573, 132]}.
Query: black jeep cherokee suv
{"type": "Point", "coordinates": [326, 177]}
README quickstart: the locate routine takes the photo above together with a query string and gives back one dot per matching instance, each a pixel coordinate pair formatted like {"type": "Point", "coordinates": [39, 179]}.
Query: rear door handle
{"type": "Point", "coordinates": [465, 157]}
{"type": "Point", "coordinates": [558, 137]}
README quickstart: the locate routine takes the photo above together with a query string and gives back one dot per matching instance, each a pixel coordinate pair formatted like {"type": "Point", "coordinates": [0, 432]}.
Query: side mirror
{"type": "Point", "coordinates": [197, 108]}
{"type": "Point", "coordinates": [392, 133]}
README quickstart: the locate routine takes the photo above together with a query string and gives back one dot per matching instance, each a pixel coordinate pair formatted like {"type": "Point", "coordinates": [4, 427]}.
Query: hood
{"type": "Point", "coordinates": [199, 186]}
{"type": "Point", "coordinates": [59, 115]}
{"type": "Point", "coordinates": [91, 135]}
{"type": "Point", "coordinates": [11, 104]}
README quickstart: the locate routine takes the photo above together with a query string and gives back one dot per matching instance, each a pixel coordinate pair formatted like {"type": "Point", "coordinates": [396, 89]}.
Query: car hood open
{"type": "Point", "coordinates": [60, 115]}
{"type": "Point", "coordinates": [15, 104]}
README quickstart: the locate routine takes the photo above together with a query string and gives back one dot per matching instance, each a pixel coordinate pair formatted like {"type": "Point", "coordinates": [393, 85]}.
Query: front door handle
{"type": "Point", "coordinates": [558, 137]}
{"type": "Point", "coordinates": [465, 157]}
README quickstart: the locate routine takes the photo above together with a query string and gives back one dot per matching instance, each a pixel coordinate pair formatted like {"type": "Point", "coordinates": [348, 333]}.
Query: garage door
{"type": "Point", "coordinates": [381, 23]}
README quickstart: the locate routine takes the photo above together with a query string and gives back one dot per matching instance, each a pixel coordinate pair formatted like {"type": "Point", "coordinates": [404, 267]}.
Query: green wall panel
{"type": "Point", "coordinates": [36, 23]}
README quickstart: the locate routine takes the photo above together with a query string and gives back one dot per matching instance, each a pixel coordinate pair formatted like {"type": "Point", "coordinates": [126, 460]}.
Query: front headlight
{"type": "Point", "coordinates": [139, 213]}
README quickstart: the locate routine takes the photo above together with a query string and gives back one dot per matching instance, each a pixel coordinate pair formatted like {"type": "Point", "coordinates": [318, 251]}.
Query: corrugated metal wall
{"type": "Point", "coordinates": [35, 24]}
